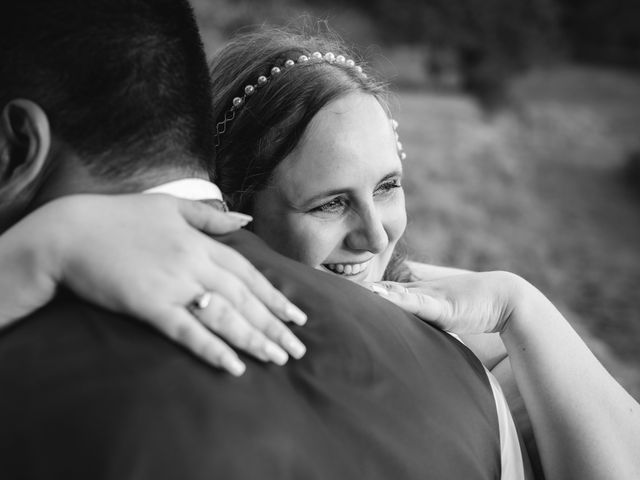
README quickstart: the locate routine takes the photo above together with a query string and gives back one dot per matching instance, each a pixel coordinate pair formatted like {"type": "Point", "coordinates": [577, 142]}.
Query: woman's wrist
{"type": "Point", "coordinates": [32, 251]}
{"type": "Point", "coordinates": [519, 297]}
{"type": "Point", "coordinates": [50, 235]}
{"type": "Point", "coordinates": [530, 314]}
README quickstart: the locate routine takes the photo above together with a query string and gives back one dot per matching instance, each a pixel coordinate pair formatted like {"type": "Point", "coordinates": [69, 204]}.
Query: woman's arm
{"type": "Point", "coordinates": [28, 267]}
{"type": "Point", "coordinates": [148, 256]}
{"type": "Point", "coordinates": [585, 424]}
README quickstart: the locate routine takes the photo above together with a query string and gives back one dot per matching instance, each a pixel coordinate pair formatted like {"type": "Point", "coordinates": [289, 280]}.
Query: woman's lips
{"type": "Point", "coordinates": [347, 269]}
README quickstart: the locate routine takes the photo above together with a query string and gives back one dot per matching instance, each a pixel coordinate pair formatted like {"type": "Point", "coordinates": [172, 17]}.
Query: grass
{"type": "Point", "coordinates": [537, 190]}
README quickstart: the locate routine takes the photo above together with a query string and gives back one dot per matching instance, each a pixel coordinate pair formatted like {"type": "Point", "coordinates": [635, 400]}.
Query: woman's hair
{"type": "Point", "coordinates": [254, 137]}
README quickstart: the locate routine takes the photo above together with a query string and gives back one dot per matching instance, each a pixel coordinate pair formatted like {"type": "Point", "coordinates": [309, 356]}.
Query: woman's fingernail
{"type": "Point", "coordinates": [378, 289]}
{"type": "Point", "coordinates": [294, 314]}
{"type": "Point", "coordinates": [235, 366]}
{"type": "Point", "coordinates": [295, 347]}
{"type": "Point", "coordinates": [241, 216]}
{"type": "Point", "coordinates": [276, 354]}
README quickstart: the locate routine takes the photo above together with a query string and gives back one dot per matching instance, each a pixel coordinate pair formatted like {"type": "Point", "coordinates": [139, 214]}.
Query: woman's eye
{"type": "Point", "coordinates": [337, 205]}
{"type": "Point", "coordinates": [388, 186]}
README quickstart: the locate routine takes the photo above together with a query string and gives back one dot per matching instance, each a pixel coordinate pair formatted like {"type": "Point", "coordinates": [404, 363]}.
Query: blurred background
{"type": "Point", "coordinates": [521, 122]}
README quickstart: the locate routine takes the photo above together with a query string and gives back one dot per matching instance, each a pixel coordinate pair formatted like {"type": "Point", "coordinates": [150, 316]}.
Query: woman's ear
{"type": "Point", "coordinates": [25, 141]}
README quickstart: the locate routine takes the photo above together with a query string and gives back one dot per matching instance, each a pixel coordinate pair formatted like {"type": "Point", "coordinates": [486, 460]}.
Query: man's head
{"type": "Point", "coordinates": [99, 95]}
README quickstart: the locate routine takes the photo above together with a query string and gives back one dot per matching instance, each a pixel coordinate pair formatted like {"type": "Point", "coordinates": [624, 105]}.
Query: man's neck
{"type": "Point", "coordinates": [71, 177]}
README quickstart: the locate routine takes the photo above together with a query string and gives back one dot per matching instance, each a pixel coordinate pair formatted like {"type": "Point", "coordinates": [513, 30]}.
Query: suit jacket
{"type": "Point", "coordinates": [89, 394]}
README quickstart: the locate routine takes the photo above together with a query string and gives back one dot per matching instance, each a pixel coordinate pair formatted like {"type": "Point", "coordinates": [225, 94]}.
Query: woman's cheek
{"type": "Point", "coordinates": [397, 215]}
{"type": "Point", "coordinates": [313, 241]}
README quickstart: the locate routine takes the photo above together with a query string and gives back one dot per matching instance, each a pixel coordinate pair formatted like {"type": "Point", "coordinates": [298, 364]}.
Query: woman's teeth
{"type": "Point", "coordinates": [346, 268]}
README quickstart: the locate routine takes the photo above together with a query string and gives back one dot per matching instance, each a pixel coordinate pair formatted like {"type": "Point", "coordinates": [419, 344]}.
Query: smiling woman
{"type": "Point", "coordinates": [324, 186]}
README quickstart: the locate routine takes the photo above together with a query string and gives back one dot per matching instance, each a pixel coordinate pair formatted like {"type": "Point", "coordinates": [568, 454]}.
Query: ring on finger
{"type": "Point", "coordinates": [201, 301]}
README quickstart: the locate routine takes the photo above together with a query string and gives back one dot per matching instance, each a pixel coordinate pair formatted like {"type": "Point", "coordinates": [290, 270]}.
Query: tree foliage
{"type": "Point", "coordinates": [493, 39]}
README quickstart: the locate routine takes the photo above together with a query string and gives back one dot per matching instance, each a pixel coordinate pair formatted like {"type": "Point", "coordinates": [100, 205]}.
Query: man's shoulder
{"type": "Point", "coordinates": [88, 393]}
{"type": "Point", "coordinates": [375, 389]}
{"type": "Point", "coordinates": [67, 322]}
{"type": "Point", "coordinates": [378, 365]}
{"type": "Point", "coordinates": [73, 341]}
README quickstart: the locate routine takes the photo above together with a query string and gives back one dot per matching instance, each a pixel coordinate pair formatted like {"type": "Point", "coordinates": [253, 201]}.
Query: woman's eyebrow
{"type": "Point", "coordinates": [336, 191]}
{"type": "Point", "coordinates": [394, 174]}
{"type": "Point", "coordinates": [327, 193]}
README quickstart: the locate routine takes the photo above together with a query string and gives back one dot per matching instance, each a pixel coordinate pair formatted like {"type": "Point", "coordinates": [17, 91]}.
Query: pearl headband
{"type": "Point", "coordinates": [251, 89]}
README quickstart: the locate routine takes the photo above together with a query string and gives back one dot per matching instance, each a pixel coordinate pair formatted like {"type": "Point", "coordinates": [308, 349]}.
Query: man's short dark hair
{"type": "Point", "coordinates": [118, 79]}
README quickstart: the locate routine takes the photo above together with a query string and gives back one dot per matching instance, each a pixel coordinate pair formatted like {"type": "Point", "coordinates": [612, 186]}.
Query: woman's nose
{"type": "Point", "coordinates": [368, 233]}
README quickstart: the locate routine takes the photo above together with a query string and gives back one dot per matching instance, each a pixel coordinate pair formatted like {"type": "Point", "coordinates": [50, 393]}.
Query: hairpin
{"type": "Point", "coordinates": [399, 148]}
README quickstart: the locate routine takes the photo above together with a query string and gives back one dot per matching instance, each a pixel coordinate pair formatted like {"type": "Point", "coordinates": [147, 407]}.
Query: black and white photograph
{"type": "Point", "coordinates": [319, 239]}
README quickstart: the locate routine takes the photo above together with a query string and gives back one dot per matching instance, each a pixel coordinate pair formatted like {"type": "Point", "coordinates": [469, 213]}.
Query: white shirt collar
{"type": "Point", "coordinates": [190, 189]}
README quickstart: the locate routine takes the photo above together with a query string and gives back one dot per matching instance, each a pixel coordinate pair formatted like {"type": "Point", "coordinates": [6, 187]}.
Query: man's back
{"type": "Point", "coordinates": [90, 394]}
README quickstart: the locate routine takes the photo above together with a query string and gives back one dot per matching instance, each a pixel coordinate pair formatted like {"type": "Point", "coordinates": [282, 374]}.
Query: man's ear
{"type": "Point", "coordinates": [25, 141]}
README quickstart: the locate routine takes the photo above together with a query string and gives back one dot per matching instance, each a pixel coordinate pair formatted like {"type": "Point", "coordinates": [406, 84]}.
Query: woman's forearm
{"type": "Point", "coordinates": [586, 425]}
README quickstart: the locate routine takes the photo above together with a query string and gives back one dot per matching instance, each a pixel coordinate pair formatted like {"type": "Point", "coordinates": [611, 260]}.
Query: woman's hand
{"type": "Point", "coordinates": [149, 256]}
{"type": "Point", "coordinates": [466, 303]}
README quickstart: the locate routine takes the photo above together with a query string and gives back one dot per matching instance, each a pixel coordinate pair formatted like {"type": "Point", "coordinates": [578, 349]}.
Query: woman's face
{"type": "Point", "coordinates": [336, 202]}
